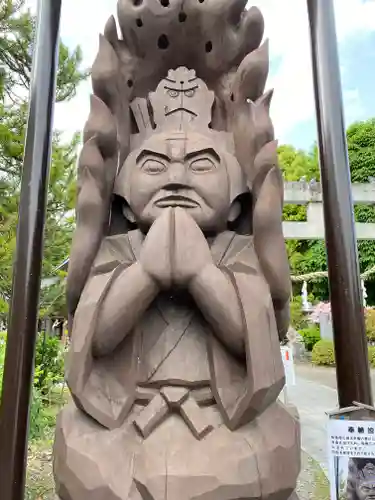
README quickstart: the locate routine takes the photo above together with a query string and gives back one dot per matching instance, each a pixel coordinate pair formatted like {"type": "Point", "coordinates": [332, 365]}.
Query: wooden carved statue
{"type": "Point", "coordinates": [178, 285]}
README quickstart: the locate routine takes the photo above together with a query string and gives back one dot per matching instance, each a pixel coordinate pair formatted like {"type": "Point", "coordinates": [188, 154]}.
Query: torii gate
{"type": "Point", "coordinates": [348, 322]}
{"type": "Point", "coordinates": [311, 195]}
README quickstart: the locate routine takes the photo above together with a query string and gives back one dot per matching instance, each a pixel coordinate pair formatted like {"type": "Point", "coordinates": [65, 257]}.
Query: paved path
{"type": "Point", "coordinates": [314, 394]}
{"type": "Point", "coordinates": [313, 400]}
{"type": "Point", "coordinates": [324, 375]}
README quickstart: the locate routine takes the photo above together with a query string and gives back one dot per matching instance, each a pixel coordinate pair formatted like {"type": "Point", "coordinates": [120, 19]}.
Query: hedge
{"type": "Point", "coordinates": [323, 354]}
{"type": "Point", "coordinates": [310, 336]}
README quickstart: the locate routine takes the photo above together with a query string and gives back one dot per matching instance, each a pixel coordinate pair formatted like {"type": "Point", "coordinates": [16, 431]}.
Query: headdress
{"type": "Point", "coordinates": [180, 106]}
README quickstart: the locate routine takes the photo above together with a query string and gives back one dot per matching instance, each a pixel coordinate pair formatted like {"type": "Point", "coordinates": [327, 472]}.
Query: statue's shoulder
{"type": "Point", "coordinates": [240, 255]}
{"type": "Point", "coordinates": [116, 250]}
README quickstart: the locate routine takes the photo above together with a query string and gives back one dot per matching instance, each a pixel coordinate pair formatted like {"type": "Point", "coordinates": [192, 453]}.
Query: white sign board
{"type": "Point", "coordinates": [288, 361]}
{"type": "Point", "coordinates": [352, 459]}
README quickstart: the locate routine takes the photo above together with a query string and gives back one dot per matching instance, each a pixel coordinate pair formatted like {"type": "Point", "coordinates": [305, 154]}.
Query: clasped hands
{"type": "Point", "coordinates": [175, 250]}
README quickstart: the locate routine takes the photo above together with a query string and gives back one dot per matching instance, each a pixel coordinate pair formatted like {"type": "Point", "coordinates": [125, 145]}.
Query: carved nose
{"type": "Point", "coordinates": [175, 186]}
{"type": "Point", "coordinates": [177, 174]}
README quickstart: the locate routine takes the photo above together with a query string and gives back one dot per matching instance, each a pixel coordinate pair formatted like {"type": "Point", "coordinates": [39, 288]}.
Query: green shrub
{"type": "Point", "coordinates": [310, 336]}
{"type": "Point", "coordinates": [370, 324]}
{"type": "Point", "coordinates": [371, 356]}
{"type": "Point", "coordinates": [49, 370]}
{"type": "Point", "coordinates": [49, 363]}
{"type": "Point", "coordinates": [41, 420]}
{"type": "Point", "coordinates": [297, 317]}
{"type": "Point", "coordinates": [323, 353]}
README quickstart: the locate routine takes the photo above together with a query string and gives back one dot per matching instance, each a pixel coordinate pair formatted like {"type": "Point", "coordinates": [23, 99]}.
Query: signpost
{"type": "Point", "coordinates": [290, 374]}
{"type": "Point", "coordinates": [351, 451]}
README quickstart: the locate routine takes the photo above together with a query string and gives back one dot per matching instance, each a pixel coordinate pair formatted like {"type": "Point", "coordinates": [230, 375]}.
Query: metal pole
{"type": "Point", "coordinates": [19, 359]}
{"type": "Point", "coordinates": [353, 379]}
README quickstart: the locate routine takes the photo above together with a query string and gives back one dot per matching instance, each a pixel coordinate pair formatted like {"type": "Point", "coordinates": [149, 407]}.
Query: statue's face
{"type": "Point", "coordinates": [366, 490]}
{"type": "Point", "coordinates": [179, 170]}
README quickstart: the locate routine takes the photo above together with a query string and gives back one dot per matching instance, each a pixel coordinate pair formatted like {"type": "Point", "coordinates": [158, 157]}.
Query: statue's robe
{"type": "Point", "coordinates": [252, 450]}
{"type": "Point", "coordinates": [106, 388]}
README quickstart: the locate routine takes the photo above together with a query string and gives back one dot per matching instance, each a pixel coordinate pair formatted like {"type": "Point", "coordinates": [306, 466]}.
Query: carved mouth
{"type": "Point", "coordinates": [176, 201]}
{"type": "Point", "coordinates": [176, 110]}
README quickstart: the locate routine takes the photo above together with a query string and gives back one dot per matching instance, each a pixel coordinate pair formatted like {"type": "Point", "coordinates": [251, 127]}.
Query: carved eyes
{"type": "Point", "coordinates": [202, 165]}
{"type": "Point", "coordinates": [153, 167]}
{"type": "Point", "coordinates": [190, 93]}
{"type": "Point", "coordinates": [173, 93]}
{"type": "Point", "coordinates": [367, 489]}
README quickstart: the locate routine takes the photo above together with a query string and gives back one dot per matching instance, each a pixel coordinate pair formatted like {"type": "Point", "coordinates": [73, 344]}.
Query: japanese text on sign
{"type": "Point", "coordinates": [352, 438]}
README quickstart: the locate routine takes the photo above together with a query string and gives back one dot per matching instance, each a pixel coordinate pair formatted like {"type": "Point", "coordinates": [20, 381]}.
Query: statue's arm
{"type": "Point", "coordinates": [218, 301]}
{"type": "Point", "coordinates": [129, 296]}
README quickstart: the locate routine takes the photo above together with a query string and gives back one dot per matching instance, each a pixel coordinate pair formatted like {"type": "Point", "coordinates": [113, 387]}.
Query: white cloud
{"type": "Point", "coordinates": [288, 30]}
{"type": "Point", "coordinates": [81, 23]}
{"type": "Point", "coordinates": [354, 107]}
{"type": "Point", "coordinates": [286, 27]}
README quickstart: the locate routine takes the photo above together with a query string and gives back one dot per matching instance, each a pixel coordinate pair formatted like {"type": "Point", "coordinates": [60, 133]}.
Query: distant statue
{"type": "Point", "coordinates": [361, 479]}
{"type": "Point", "coordinates": [178, 284]}
{"type": "Point", "coordinates": [364, 293]}
{"type": "Point", "coordinates": [306, 305]}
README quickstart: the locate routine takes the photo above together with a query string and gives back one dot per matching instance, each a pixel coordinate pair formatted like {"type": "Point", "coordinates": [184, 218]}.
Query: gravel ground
{"type": "Point", "coordinates": [39, 483]}
{"type": "Point", "coordinates": [313, 483]}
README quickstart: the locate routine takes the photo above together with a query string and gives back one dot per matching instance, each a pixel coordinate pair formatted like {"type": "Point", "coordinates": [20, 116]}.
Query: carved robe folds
{"type": "Point", "coordinates": [183, 416]}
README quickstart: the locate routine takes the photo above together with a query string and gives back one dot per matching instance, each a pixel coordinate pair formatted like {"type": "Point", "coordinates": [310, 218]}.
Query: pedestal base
{"type": "Point", "coordinates": [260, 461]}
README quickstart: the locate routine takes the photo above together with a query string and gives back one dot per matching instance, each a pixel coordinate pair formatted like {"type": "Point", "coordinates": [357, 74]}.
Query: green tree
{"type": "Point", "coordinates": [310, 256]}
{"type": "Point", "coordinates": [17, 28]}
{"type": "Point", "coordinates": [297, 164]}
{"type": "Point", "coordinates": [305, 256]}
{"type": "Point", "coordinates": [361, 147]}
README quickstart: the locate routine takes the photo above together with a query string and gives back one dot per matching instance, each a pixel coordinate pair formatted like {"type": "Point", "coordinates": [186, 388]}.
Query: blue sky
{"type": "Point", "coordinates": [290, 75]}
{"type": "Point", "coordinates": [357, 57]}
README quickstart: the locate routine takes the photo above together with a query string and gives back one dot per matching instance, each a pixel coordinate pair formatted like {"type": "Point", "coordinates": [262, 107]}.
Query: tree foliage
{"type": "Point", "coordinates": [17, 30]}
{"type": "Point", "coordinates": [17, 27]}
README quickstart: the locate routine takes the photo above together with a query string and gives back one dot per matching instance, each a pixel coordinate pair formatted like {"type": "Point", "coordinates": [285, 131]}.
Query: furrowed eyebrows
{"type": "Point", "coordinates": [148, 152]}
{"type": "Point", "coordinates": [209, 151]}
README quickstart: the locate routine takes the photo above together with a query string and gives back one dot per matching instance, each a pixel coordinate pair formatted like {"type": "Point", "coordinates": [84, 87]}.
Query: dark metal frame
{"type": "Point", "coordinates": [348, 322]}
{"type": "Point", "coordinates": [19, 360]}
